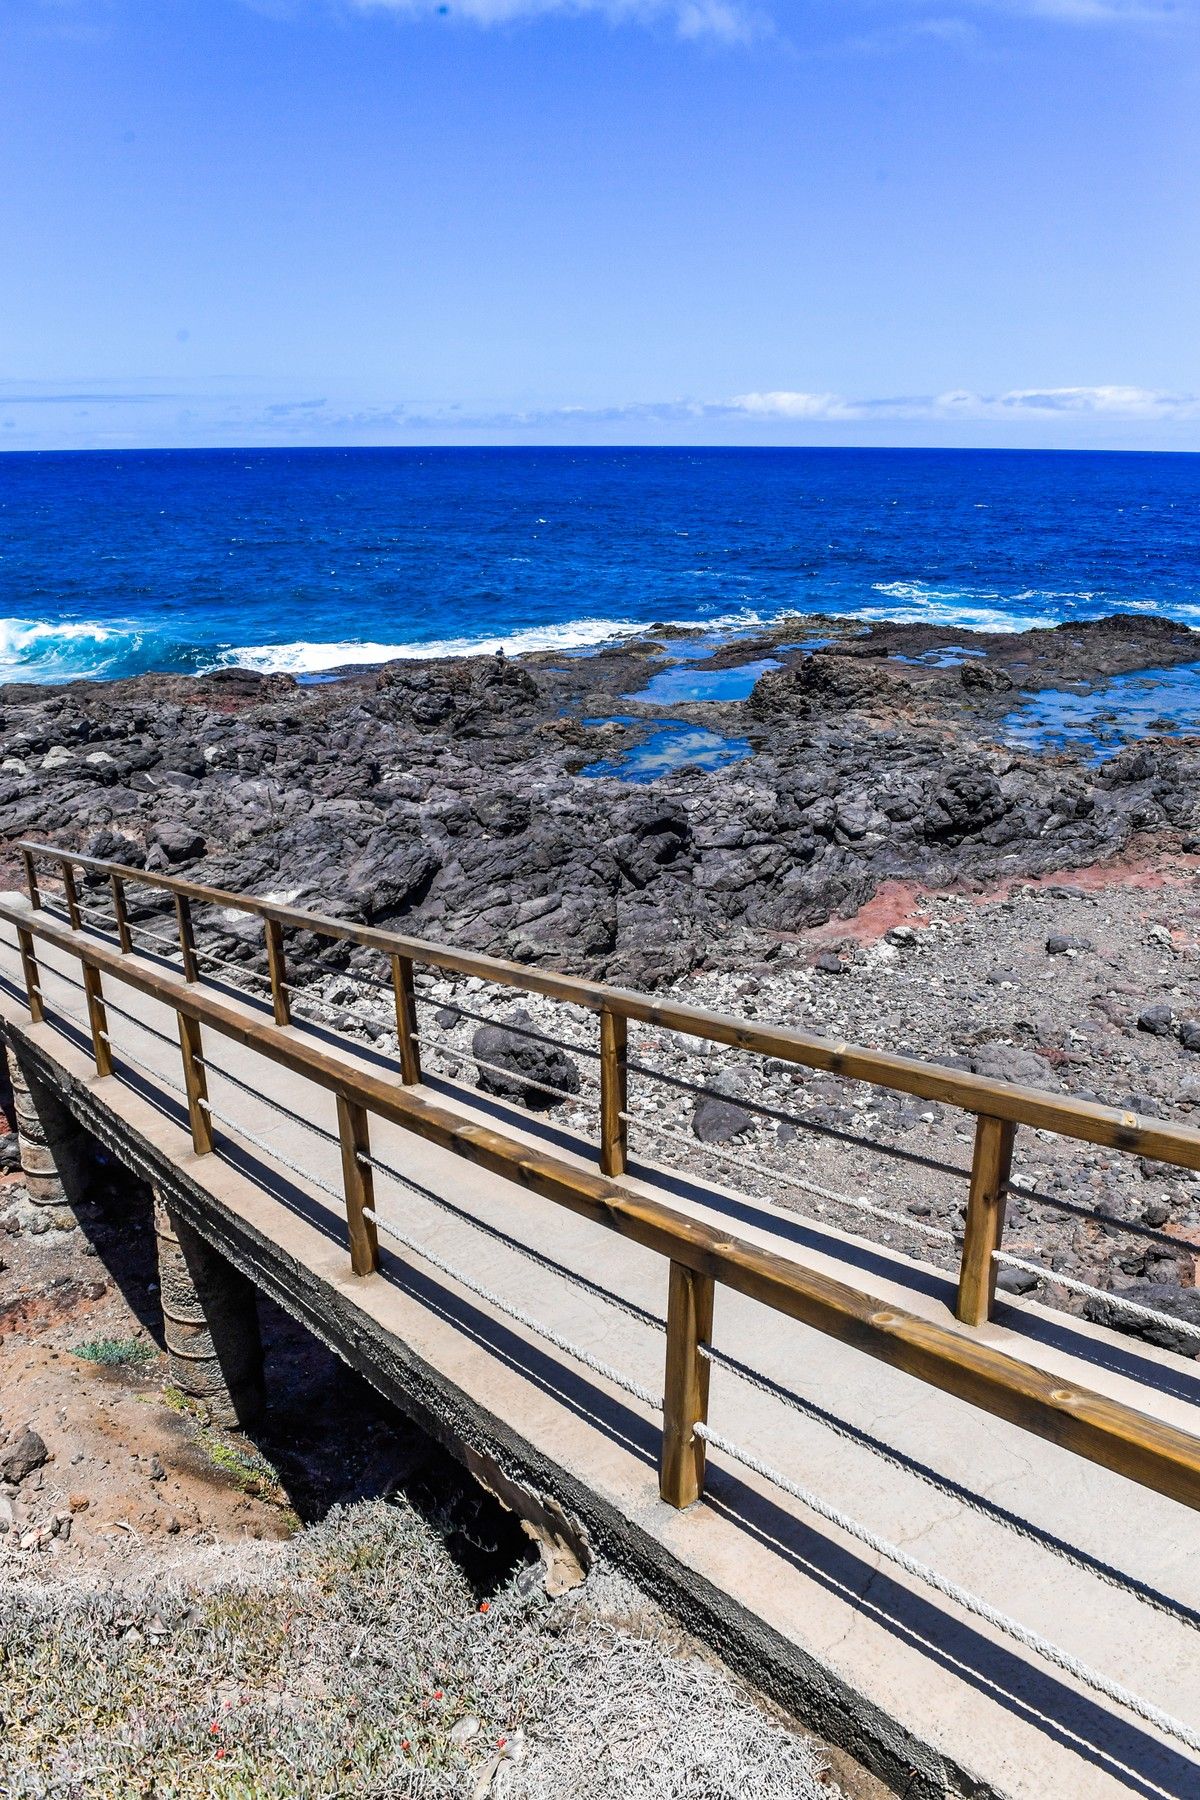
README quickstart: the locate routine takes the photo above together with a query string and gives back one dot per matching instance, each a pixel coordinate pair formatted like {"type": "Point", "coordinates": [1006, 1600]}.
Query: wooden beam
{"type": "Point", "coordinates": [1119, 1437]}
{"type": "Point", "coordinates": [277, 970]}
{"type": "Point", "coordinates": [359, 1183]}
{"type": "Point", "coordinates": [31, 880]}
{"type": "Point", "coordinates": [614, 1092]}
{"type": "Point", "coordinates": [990, 1167]}
{"type": "Point", "coordinates": [98, 1020]}
{"type": "Point", "coordinates": [685, 1393]}
{"type": "Point", "coordinates": [71, 895]}
{"type": "Point", "coordinates": [405, 993]}
{"type": "Point", "coordinates": [33, 982]}
{"type": "Point", "coordinates": [187, 937]}
{"type": "Point", "coordinates": [121, 914]}
{"type": "Point", "coordinates": [195, 1081]}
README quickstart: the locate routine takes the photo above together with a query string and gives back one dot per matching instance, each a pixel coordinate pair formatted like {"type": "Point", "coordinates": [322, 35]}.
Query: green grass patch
{"type": "Point", "coordinates": [116, 1353]}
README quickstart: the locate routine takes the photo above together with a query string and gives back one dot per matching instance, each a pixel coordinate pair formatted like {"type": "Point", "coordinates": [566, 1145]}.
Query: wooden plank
{"type": "Point", "coordinates": [31, 880]}
{"type": "Point", "coordinates": [405, 992]}
{"type": "Point", "coordinates": [1085, 1120]}
{"type": "Point", "coordinates": [277, 969]}
{"type": "Point", "coordinates": [71, 895]}
{"type": "Point", "coordinates": [614, 1092]}
{"type": "Point", "coordinates": [121, 914]}
{"type": "Point", "coordinates": [990, 1167]}
{"type": "Point", "coordinates": [33, 984]}
{"type": "Point", "coordinates": [359, 1182]}
{"type": "Point", "coordinates": [187, 937]}
{"type": "Point", "coordinates": [195, 1082]}
{"type": "Point", "coordinates": [1119, 1437]}
{"type": "Point", "coordinates": [98, 1020]}
{"type": "Point", "coordinates": [685, 1393]}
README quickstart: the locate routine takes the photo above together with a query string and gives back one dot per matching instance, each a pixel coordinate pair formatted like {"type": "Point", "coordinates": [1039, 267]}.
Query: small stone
{"type": "Point", "coordinates": [1189, 1034]}
{"type": "Point", "coordinates": [78, 1502]}
{"type": "Point", "coordinates": [462, 1733]}
{"type": "Point", "coordinates": [1156, 1213]}
{"type": "Point", "coordinates": [1015, 1281]}
{"type": "Point", "coordinates": [827, 963]}
{"type": "Point", "coordinates": [1156, 1020]}
{"type": "Point", "coordinates": [27, 1453]}
{"type": "Point", "coordinates": [1060, 944]}
{"type": "Point", "coordinates": [901, 934]}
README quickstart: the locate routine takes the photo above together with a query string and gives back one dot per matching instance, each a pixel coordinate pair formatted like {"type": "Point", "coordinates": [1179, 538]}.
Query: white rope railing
{"type": "Point", "coordinates": [1118, 1302]}
{"type": "Point", "coordinates": [948, 1486]}
{"type": "Point", "coordinates": [642, 1314]}
{"type": "Point", "coordinates": [517, 1313]}
{"type": "Point", "coordinates": [960, 1596]}
{"type": "Point", "coordinates": [744, 1163]}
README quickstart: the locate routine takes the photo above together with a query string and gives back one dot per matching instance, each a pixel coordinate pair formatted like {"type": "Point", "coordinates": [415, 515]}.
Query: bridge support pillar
{"type": "Point", "coordinates": [56, 1152]}
{"type": "Point", "coordinates": [210, 1321]}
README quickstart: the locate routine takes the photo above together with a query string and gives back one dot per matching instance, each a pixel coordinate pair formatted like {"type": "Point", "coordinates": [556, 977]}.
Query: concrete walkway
{"type": "Point", "coordinates": [870, 1656]}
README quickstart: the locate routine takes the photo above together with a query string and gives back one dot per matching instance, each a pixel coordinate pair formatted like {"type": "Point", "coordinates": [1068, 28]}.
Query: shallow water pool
{"type": "Point", "coordinates": [1151, 702]}
{"type": "Point", "coordinates": [671, 745]}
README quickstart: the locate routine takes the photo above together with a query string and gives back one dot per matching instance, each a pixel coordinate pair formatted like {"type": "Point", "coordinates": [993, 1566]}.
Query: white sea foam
{"type": "Point", "coordinates": [305, 658]}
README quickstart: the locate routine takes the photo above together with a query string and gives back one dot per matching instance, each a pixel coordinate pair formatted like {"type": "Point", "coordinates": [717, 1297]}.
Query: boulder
{"type": "Point", "coordinates": [518, 1060]}
{"type": "Point", "coordinates": [178, 842]}
{"type": "Point", "coordinates": [717, 1117]}
{"type": "Point", "coordinates": [1157, 1020]}
{"type": "Point", "coordinates": [26, 1453]}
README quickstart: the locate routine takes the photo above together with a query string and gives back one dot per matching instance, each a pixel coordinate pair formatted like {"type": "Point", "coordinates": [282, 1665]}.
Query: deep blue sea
{"type": "Point", "coordinates": [116, 562]}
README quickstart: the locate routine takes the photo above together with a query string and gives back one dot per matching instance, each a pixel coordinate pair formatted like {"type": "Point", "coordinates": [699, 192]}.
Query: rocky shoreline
{"type": "Point", "coordinates": [882, 866]}
{"type": "Point", "coordinates": [446, 799]}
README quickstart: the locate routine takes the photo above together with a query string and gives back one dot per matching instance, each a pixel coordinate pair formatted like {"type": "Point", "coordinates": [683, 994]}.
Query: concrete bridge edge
{"type": "Point", "coordinates": [512, 1469]}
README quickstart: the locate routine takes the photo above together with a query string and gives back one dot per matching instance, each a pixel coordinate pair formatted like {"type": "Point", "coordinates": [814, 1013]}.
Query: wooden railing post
{"type": "Point", "coordinates": [404, 989]}
{"type": "Point", "coordinates": [98, 1019]}
{"type": "Point", "coordinates": [71, 896]}
{"type": "Point", "coordinates": [277, 969]}
{"type": "Point", "coordinates": [685, 1396]}
{"type": "Point", "coordinates": [32, 974]}
{"type": "Point", "coordinates": [187, 936]}
{"type": "Point", "coordinates": [359, 1183]}
{"type": "Point", "coordinates": [120, 913]}
{"type": "Point", "coordinates": [984, 1231]}
{"type": "Point", "coordinates": [195, 1081]}
{"type": "Point", "coordinates": [614, 1092]}
{"type": "Point", "coordinates": [31, 880]}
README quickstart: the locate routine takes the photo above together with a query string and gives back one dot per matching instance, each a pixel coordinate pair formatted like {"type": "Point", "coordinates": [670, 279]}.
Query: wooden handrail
{"type": "Point", "coordinates": [1084, 1120]}
{"type": "Point", "coordinates": [1119, 1437]}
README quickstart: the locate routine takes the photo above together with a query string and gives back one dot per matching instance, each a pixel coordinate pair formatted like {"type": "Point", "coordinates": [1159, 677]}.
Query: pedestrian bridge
{"type": "Point", "coordinates": [960, 1538]}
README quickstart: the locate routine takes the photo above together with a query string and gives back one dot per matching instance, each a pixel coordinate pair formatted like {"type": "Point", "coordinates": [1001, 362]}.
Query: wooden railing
{"type": "Point", "coordinates": [1117, 1436]}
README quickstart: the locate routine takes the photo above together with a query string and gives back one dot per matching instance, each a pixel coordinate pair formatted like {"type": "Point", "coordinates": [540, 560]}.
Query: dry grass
{"type": "Point", "coordinates": [338, 1663]}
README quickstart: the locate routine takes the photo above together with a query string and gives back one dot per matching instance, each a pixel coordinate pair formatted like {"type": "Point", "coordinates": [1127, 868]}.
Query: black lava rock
{"type": "Point", "coordinates": [1157, 1020]}
{"type": "Point", "coordinates": [515, 1057]}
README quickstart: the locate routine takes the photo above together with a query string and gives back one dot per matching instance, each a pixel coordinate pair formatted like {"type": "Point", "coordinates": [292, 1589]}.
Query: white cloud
{"type": "Point", "coordinates": [1114, 402]}
{"type": "Point", "coordinates": [784, 404]}
{"type": "Point", "coordinates": [730, 20]}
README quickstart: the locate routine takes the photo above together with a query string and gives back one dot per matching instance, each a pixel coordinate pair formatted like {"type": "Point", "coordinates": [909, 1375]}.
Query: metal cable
{"type": "Point", "coordinates": [515, 1312]}
{"type": "Point", "coordinates": [510, 1074]}
{"type": "Point", "coordinates": [276, 1105]}
{"type": "Point", "coordinates": [797, 1181]}
{"type": "Point", "coordinates": [960, 1596]}
{"type": "Point", "coordinates": [1117, 1301]}
{"type": "Point", "coordinates": [641, 1313]}
{"type": "Point", "coordinates": [945, 1484]}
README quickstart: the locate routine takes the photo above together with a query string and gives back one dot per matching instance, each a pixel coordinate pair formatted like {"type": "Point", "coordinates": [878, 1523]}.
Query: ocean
{"type": "Point", "coordinates": [112, 563]}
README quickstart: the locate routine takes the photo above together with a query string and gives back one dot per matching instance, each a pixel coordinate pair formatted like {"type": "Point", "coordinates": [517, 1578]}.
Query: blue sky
{"type": "Point", "coordinates": [599, 221]}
